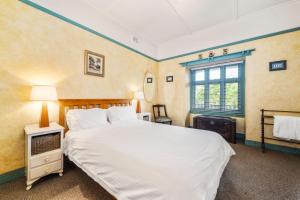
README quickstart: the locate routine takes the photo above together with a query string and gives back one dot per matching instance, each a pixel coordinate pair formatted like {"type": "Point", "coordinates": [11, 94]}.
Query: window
{"type": "Point", "coordinates": [218, 90]}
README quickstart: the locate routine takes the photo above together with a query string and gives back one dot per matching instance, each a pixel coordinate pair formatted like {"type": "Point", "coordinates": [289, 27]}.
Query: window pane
{"type": "Point", "coordinates": [232, 72]}
{"type": "Point", "coordinates": [214, 73]}
{"type": "Point", "coordinates": [200, 75]}
{"type": "Point", "coordinates": [214, 96]}
{"type": "Point", "coordinates": [199, 96]}
{"type": "Point", "coordinates": [231, 99]}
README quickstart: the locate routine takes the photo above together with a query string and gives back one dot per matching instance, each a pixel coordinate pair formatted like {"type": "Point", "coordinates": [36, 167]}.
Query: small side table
{"type": "Point", "coordinates": [43, 151]}
{"type": "Point", "coordinates": [144, 116]}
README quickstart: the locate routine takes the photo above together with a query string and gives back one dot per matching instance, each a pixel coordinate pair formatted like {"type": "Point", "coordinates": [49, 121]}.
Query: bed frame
{"type": "Point", "coordinates": [269, 115]}
{"type": "Point", "coordinates": [67, 104]}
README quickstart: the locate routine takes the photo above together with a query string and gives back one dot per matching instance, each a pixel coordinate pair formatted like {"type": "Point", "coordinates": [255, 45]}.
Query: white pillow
{"type": "Point", "coordinates": [121, 113]}
{"type": "Point", "coordinates": [78, 119]}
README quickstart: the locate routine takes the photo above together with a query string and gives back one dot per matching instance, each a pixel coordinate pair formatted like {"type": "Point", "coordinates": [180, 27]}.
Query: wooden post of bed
{"type": "Point", "coordinates": [263, 130]}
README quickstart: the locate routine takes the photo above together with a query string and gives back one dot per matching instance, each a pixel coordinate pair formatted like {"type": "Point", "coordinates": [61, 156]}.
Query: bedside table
{"type": "Point", "coordinates": [144, 116]}
{"type": "Point", "coordinates": [43, 151]}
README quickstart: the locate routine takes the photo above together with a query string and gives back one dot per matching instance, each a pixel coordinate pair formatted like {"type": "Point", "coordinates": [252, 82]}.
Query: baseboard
{"type": "Point", "coordinates": [240, 137]}
{"type": "Point", "coordinates": [274, 147]}
{"type": "Point", "coordinates": [12, 175]}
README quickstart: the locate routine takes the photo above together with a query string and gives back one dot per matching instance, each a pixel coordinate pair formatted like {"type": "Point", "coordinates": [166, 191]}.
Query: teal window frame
{"type": "Point", "coordinates": [222, 81]}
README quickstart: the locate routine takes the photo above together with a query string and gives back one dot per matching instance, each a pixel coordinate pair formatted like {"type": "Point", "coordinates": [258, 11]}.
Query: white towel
{"type": "Point", "coordinates": [287, 127]}
{"type": "Point", "coordinates": [298, 129]}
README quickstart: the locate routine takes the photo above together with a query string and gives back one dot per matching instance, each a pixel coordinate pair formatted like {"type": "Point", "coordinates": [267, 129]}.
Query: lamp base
{"type": "Point", "coordinates": [44, 121]}
{"type": "Point", "coordinates": [138, 106]}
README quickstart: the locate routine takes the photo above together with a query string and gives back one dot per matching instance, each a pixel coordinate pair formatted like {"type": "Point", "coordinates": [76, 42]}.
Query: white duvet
{"type": "Point", "coordinates": [138, 160]}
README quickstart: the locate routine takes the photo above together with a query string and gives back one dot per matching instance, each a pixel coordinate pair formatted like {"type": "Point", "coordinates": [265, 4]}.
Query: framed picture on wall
{"type": "Point", "coordinates": [94, 63]}
{"type": "Point", "coordinates": [149, 80]}
{"type": "Point", "coordinates": [169, 78]}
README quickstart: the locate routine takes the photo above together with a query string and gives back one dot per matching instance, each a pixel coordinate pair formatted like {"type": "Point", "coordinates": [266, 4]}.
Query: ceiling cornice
{"type": "Point", "coordinates": [45, 10]}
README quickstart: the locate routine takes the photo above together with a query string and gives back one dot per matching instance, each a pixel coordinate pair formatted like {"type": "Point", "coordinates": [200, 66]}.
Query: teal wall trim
{"type": "Point", "coordinates": [43, 9]}
{"type": "Point", "coordinates": [235, 55]}
{"type": "Point", "coordinates": [233, 43]}
{"type": "Point", "coordinates": [12, 175]}
{"type": "Point", "coordinates": [274, 147]}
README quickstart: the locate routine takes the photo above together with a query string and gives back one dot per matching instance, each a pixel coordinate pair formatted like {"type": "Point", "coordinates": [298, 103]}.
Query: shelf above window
{"type": "Point", "coordinates": [217, 60]}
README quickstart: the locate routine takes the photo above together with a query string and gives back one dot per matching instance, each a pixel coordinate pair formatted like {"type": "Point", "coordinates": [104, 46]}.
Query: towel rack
{"type": "Point", "coordinates": [267, 114]}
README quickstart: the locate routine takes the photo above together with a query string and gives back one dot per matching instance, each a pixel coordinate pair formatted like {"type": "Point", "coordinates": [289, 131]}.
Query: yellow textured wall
{"type": "Point", "coordinates": [36, 48]}
{"type": "Point", "coordinates": [264, 89]}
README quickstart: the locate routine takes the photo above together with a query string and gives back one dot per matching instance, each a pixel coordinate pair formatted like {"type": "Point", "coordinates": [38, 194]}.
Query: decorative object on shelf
{"type": "Point", "coordinates": [200, 56]}
{"type": "Point", "coordinates": [169, 78]}
{"type": "Point", "coordinates": [149, 80]}
{"type": "Point", "coordinates": [43, 93]}
{"type": "Point", "coordinates": [225, 51]}
{"type": "Point", "coordinates": [278, 65]}
{"type": "Point", "coordinates": [138, 96]}
{"type": "Point", "coordinates": [43, 152]}
{"type": "Point", "coordinates": [211, 54]}
{"type": "Point", "coordinates": [94, 63]}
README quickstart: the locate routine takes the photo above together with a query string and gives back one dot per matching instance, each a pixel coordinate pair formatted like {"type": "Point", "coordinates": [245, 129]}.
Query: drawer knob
{"type": "Point", "coordinates": [46, 160]}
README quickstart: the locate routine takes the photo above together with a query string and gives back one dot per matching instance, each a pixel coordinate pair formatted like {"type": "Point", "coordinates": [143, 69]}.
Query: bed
{"type": "Point", "coordinates": [139, 160]}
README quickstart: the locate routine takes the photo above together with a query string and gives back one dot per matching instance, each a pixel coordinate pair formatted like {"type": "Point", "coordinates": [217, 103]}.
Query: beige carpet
{"type": "Point", "coordinates": [250, 175]}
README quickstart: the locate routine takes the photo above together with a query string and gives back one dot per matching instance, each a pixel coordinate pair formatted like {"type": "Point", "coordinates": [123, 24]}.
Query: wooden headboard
{"type": "Point", "coordinates": [67, 104]}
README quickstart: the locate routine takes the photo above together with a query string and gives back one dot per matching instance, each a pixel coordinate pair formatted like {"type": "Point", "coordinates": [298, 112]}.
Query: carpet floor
{"type": "Point", "coordinates": [250, 175]}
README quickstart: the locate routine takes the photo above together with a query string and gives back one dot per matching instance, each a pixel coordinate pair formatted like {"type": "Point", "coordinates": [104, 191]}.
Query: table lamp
{"type": "Point", "coordinates": [43, 93]}
{"type": "Point", "coordinates": [138, 96]}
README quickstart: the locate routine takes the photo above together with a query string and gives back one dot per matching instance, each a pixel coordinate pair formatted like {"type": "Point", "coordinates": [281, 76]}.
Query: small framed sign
{"type": "Point", "coordinates": [277, 65]}
{"type": "Point", "coordinates": [169, 78]}
{"type": "Point", "coordinates": [149, 80]}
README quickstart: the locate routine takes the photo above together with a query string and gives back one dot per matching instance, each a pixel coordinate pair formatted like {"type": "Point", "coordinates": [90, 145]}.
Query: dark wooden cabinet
{"type": "Point", "coordinates": [225, 126]}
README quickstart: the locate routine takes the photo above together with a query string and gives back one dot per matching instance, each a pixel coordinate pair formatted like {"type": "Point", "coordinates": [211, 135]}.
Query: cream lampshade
{"type": "Point", "coordinates": [43, 93]}
{"type": "Point", "coordinates": [138, 96]}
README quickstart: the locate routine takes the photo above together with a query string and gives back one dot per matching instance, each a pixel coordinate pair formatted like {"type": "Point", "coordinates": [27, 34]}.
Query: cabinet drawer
{"type": "Point", "coordinates": [45, 169]}
{"type": "Point", "coordinates": [45, 158]}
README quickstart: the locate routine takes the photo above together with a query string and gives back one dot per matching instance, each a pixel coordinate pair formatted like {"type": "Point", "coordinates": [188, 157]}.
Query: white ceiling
{"type": "Point", "coordinates": [158, 21]}
{"type": "Point", "coordinates": [155, 22]}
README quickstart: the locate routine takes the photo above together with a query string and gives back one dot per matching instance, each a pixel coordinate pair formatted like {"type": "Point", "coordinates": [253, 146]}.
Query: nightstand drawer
{"type": "Point", "coordinates": [45, 169]}
{"type": "Point", "coordinates": [45, 158]}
